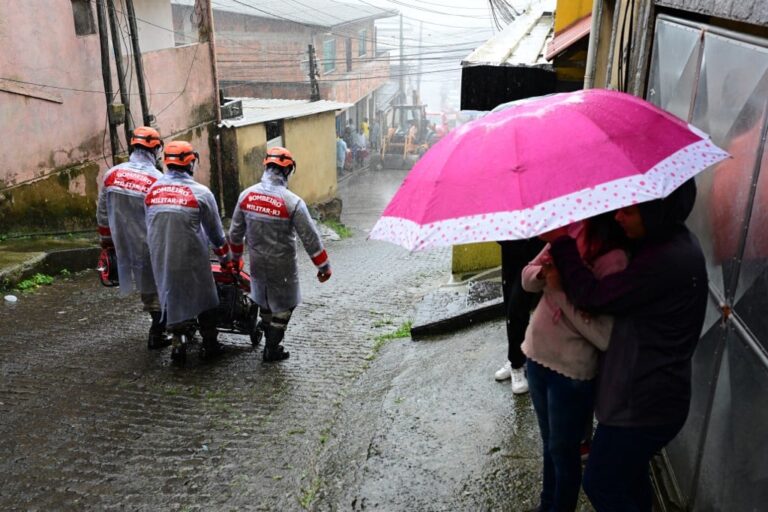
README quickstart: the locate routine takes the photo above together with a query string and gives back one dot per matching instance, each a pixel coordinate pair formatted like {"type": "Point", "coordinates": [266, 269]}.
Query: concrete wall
{"type": "Point", "coordinates": [155, 24]}
{"type": "Point", "coordinates": [251, 148]}
{"type": "Point", "coordinates": [312, 141]}
{"type": "Point", "coordinates": [55, 133]}
{"type": "Point", "coordinates": [475, 257]}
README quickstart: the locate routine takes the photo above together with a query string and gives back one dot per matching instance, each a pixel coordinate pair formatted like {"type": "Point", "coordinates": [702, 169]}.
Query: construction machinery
{"type": "Point", "coordinates": [405, 136]}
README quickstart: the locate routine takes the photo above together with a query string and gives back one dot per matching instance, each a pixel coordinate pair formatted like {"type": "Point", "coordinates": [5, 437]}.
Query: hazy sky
{"type": "Point", "coordinates": [448, 30]}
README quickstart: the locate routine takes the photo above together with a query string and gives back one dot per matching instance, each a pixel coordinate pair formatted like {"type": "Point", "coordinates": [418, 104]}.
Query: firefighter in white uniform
{"type": "Point", "coordinates": [122, 225]}
{"type": "Point", "coordinates": [182, 219]}
{"type": "Point", "coordinates": [268, 217]}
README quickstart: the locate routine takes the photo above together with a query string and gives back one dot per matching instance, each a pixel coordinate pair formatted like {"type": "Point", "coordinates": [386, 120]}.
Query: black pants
{"type": "Point", "coordinates": [617, 474]}
{"type": "Point", "coordinates": [518, 303]}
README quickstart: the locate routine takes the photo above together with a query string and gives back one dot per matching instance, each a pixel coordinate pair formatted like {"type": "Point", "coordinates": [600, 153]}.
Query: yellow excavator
{"type": "Point", "coordinates": [406, 135]}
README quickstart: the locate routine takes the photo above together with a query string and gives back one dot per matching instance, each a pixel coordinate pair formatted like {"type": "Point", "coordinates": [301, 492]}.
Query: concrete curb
{"type": "Point", "coordinates": [483, 312]}
{"type": "Point", "coordinates": [52, 262]}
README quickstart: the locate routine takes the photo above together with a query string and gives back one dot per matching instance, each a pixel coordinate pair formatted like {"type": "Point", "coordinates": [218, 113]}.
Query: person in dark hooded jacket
{"type": "Point", "coordinates": [644, 381]}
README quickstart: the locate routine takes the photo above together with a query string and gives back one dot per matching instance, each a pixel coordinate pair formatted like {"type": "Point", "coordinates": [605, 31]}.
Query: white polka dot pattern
{"type": "Point", "coordinates": [656, 183]}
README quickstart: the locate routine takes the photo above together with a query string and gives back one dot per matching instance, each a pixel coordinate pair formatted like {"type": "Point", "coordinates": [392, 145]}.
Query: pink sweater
{"type": "Point", "coordinates": [558, 337]}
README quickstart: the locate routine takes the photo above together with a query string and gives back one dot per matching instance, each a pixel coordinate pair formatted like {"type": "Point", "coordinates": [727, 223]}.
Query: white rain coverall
{"type": "Point", "coordinates": [120, 217]}
{"type": "Point", "coordinates": [269, 216]}
{"type": "Point", "coordinates": [182, 216]}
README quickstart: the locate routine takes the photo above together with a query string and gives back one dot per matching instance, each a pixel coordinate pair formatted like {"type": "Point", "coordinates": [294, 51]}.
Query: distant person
{"type": "Point", "coordinates": [182, 219]}
{"type": "Point", "coordinates": [269, 218]}
{"type": "Point", "coordinates": [644, 387]}
{"type": "Point", "coordinates": [349, 133]}
{"type": "Point", "coordinates": [365, 127]}
{"type": "Point", "coordinates": [359, 140]}
{"type": "Point", "coordinates": [375, 134]}
{"type": "Point", "coordinates": [341, 153]}
{"type": "Point", "coordinates": [562, 348]}
{"type": "Point", "coordinates": [122, 224]}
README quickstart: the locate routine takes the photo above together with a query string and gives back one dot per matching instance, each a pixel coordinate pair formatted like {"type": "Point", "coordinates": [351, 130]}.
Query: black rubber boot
{"type": "Point", "coordinates": [210, 347]}
{"type": "Point", "coordinates": [273, 350]}
{"type": "Point", "coordinates": [179, 350]}
{"type": "Point", "coordinates": [157, 338]}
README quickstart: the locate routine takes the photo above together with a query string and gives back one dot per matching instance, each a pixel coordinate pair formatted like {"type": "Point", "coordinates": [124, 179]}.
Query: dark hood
{"type": "Point", "coordinates": [663, 217]}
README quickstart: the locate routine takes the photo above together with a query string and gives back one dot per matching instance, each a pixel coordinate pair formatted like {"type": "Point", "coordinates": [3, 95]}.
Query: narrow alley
{"type": "Point", "coordinates": [347, 423]}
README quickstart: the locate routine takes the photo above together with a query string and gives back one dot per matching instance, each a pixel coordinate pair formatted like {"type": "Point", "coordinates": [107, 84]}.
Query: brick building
{"type": "Point", "coordinates": [263, 50]}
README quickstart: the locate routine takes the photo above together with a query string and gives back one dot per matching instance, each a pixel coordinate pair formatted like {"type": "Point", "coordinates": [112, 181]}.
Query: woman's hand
{"type": "Point", "coordinates": [552, 275]}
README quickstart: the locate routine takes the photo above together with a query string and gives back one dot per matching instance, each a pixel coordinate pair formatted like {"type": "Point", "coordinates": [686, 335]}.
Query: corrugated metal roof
{"type": "Point", "coordinates": [748, 11]}
{"type": "Point", "coordinates": [318, 13]}
{"type": "Point", "coordinates": [257, 110]}
{"type": "Point", "coordinates": [569, 36]}
{"type": "Point", "coordinates": [521, 43]}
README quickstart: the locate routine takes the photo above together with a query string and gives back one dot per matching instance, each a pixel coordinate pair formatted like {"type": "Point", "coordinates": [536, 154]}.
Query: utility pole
{"type": "Point", "coordinates": [401, 93]}
{"type": "Point", "coordinates": [106, 74]}
{"type": "Point", "coordinates": [118, 49]}
{"type": "Point", "coordinates": [145, 115]}
{"type": "Point", "coordinates": [217, 102]}
{"type": "Point", "coordinates": [314, 94]}
{"type": "Point", "coordinates": [418, 77]}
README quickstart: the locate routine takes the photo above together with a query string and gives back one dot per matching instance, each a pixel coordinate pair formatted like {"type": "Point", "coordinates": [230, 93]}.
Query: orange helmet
{"type": "Point", "coordinates": [280, 157]}
{"type": "Point", "coordinates": [146, 136]}
{"type": "Point", "coordinates": [180, 153]}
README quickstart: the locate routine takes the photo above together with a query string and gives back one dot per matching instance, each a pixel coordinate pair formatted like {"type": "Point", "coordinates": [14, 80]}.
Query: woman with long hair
{"type": "Point", "coordinates": [562, 347]}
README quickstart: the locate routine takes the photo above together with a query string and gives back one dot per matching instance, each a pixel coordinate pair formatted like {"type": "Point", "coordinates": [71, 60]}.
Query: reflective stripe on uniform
{"type": "Point", "coordinates": [221, 251]}
{"type": "Point", "coordinates": [265, 204]}
{"type": "Point", "coordinates": [320, 259]}
{"type": "Point", "coordinates": [129, 181]}
{"type": "Point", "coordinates": [171, 195]}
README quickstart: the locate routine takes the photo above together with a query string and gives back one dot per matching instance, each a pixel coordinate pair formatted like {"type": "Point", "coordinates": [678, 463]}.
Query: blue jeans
{"type": "Point", "coordinates": [562, 407]}
{"type": "Point", "coordinates": [617, 475]}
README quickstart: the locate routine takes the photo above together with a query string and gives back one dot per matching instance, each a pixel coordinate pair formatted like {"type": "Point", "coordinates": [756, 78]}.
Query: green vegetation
{"type": "Point", "coordinates": [309, 495]}
{"type": "Point", "coordinates": [325, 435]}
{"type": "Point", "coordinates": [34, 282]}
{"type": "Point", "coordinates": [340, 229]}
{"type": "Point", "coordinates": [404, 331]}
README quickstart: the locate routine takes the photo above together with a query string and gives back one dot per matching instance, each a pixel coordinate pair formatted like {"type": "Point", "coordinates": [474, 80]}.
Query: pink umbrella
{"type": "Point", "coordinates": [541, 164]}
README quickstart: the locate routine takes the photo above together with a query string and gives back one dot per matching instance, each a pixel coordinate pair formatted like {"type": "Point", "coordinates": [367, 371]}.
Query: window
{"type": "Point", "coordinates": [362, 43]}
{"type": "Point", "coordinates": [83, 15]}
{"type": "Point", "coordinates": [349, 53]}
{"type": "Point", "coordinates": [274, 130]}
{"type": "Point", "coordinates": [329, 55]}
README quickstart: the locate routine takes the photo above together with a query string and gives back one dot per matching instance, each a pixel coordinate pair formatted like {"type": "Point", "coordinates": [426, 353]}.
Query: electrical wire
{"type": "Point", "coordinates": [503, 12]}
{"type": "Point", "coordinates": [186, 82]}
{"type": "Point", "coordinates": [433, 11]}
{"type": "Point", "coordinates": [128, 62]}
{"type": "Point", "coordinates": [389, 76]}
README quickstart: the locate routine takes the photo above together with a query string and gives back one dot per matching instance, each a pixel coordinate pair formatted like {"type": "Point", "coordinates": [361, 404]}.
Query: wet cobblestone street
{"type": "Point", "coordinates": [92, 420]}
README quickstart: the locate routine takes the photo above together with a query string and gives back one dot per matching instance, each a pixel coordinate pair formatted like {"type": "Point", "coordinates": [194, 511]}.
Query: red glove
{"type": "Point", "coordinates": [230, 267]}
{"type": "Point", "coordinates": [325, 275]}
